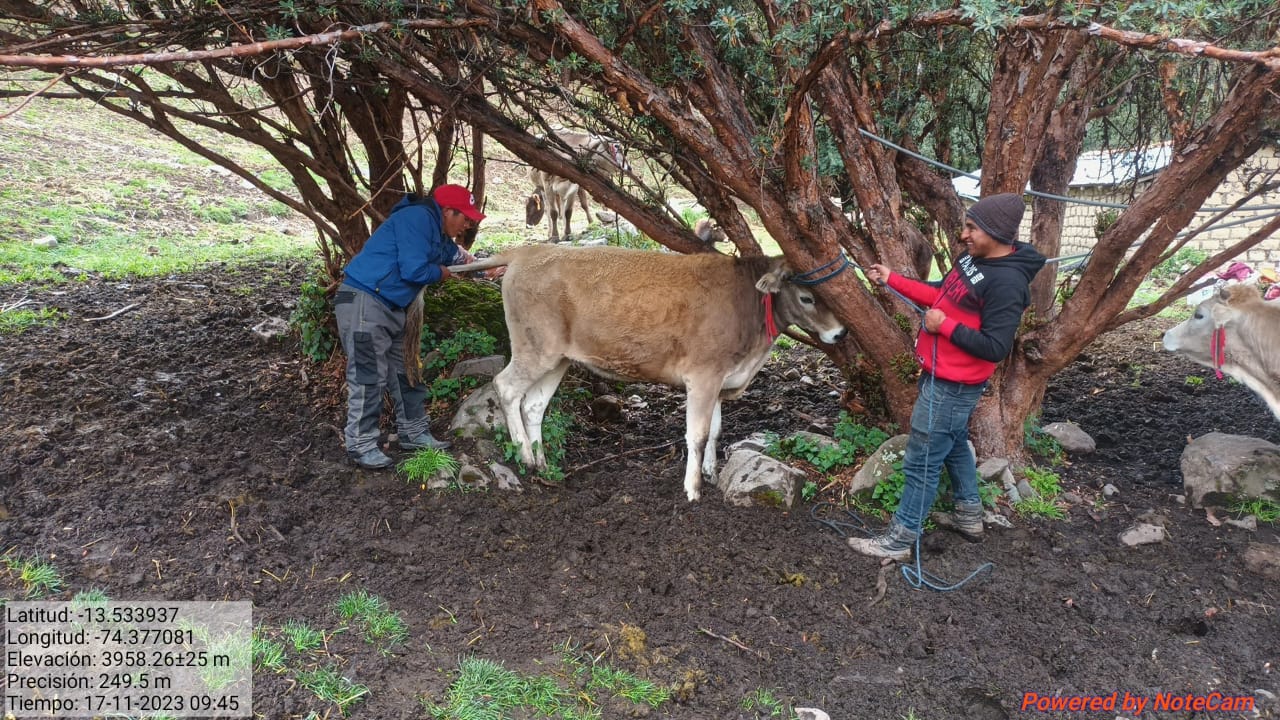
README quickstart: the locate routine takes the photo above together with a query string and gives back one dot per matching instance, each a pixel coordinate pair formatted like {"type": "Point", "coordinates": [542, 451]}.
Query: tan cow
{"type": "Point", "coordinates": [554, 196]}
{"type": "Point", "coordinates": [698, 321]}
{"type": "Point", "coordinates": [1237, 333]}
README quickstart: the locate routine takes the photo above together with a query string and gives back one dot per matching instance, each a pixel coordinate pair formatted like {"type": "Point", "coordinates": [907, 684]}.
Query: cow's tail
{"type": "Point", "coordinates": [481, 264]}
{"type": "Point", "coordinates": [413, 340]}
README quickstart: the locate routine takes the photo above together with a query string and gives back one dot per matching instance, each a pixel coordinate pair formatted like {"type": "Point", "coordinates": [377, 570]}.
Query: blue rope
{"type": "Point", "coordinates": [915, 574]}
{"type": "Point", "coordinates": [807, 278]}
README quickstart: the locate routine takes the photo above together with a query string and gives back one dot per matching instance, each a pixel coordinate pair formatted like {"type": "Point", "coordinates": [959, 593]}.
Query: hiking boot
{"type": "Point", "coordinates": [965, 520]}
{"type": "Point", "coordinates": [373, 459]}
{"type": "Point", "coordinates": [895, 543]}
{"type": "Point", "coordinates": [425, 440]}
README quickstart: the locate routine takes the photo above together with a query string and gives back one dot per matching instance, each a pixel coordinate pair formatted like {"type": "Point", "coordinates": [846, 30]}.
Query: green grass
{"type": "Point", "coordinates": [302, 636]}
{"type": "Point", "coordinates": [39, 579]}
{"type": "Point", "coordinates": [1265, 510]}
{"type": "Point", "coordinates": [19, 320]}
{"type": "Point", "coordinates": [329, 685]}
{"type": "Point", "coordinates": [426, 464]}
{"type": "Point", "coordinates": [378, 623]}
{"type": "Point", "coordinates": [485, 689]}
{"type": "Point", "coordinates": [123, 201]}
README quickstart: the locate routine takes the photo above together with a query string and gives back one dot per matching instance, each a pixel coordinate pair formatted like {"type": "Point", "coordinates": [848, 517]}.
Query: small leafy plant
{"type": "Point", "coordinates": [764, 703]}
{"type": "Point", "coordinates": [330, 686]}
{"type": "Point", "coordinates": [1194, 381]}
{"type": "Point", "coordinates": [20, 320]}
{"type": "Point", "coordinates": [426, 463]}
{"type": "Point", "coordinates": [380, 625]}
{"type": "Point", "coordinates": [312, 321]}
{"type": "Point", "coordinates": [1048, 485]}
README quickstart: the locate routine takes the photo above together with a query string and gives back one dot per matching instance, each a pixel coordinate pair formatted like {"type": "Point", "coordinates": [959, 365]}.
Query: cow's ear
{"type": "Point", "coordinates": [1224, 313]}
{"type": "Point", "coordinates": [772, 281]}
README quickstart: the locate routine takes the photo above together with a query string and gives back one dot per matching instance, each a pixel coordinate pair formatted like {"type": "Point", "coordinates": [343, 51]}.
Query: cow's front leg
{"type": "Point", "coordinates": [700, 406]}
{"type": "Point", "coordinates": [512, 384]}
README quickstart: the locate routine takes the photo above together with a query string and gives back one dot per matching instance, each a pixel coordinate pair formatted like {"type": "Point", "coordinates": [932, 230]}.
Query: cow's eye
{"type": "Point", "coordinates": [1199, 315]}
{"type": "Point", "coordinates": [806, 299]}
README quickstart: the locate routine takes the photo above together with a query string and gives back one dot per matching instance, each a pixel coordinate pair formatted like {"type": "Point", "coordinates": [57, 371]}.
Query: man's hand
{"type": "Point", "coordinates": [444, 273]}
{"type": "Point", "coordinates": [878, 274]}
{"type": "Point", "coordinates": [933, 320]}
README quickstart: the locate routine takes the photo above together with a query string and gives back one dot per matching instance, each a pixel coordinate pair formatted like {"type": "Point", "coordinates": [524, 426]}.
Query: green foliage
{"type": "Point", "coordinates": [1103, 221]}
{"type": "Point", "coordinates": [426, 463]}
{"type": "Point", "coordinates": [20, 320]}
{"type": "Point", "coordinates": [1049, 486]}
{"type": "Point", "coordinates": [764, 704]}
{"type": "Point", "coordinates": [312, 319]}
{"type": "Point", "coordinates": [1194, 381]}
{"type": "Point", "coordinates": [484, 689]}
{"type": "Point", "coordinates": [887, 493]}
{"type": "Point", "coordinates": [302, 636]}
{"type": "Point", "coordinates": [380, 625]}
{"type": "Point", "coordinates": [39, 578]}
{"type": "Point", "coordinates": [853, 442]}
{"type": "Point", "coordinates": [1178, 263]}
{"type": "Point", "coordinates": [555, 428]}
{"type": "Point", "coordinates": [809, 491]}
{"type": "Point", "coordinates": [452, 306]}
{"type": "Point", "coordinates": [267, 653]}
{"type": "Point", "coordinates": [330, 686]}
{"type": "Point", "coordinates": [1265, 510]}
{"type": "Point", "coordinates": [1041, 444]}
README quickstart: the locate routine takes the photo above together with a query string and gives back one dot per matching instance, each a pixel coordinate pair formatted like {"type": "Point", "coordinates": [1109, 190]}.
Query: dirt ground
{"type": "Point", "coordinates": [169, 454]}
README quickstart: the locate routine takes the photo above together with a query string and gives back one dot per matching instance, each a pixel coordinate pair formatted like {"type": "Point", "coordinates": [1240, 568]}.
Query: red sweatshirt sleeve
{"type": "Point", "coordinates": [921, 293]}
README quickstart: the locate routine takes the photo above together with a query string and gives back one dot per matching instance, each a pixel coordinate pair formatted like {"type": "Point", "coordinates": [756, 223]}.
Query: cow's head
{"type": "Point", "coordinates": [1193, 338]}
{"type": "Point", "coordinates": [799, 305]}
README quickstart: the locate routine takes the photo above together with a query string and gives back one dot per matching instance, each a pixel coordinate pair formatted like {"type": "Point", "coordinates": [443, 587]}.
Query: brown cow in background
{"type": "Point", "coordinates": [554, 196]}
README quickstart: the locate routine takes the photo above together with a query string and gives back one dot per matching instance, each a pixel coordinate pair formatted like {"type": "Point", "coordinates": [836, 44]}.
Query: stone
{"type": "Point", "coordinates": [1263, 560]}
{"type": "Point", "coordinates": [479, 414]}
{"type": "Point", "coordinates": [1218, 466]}
{"type": "Point", "coordinates": [45, 242]}
{"type": "Point", "coordinates": [752, 478]}
{"type": "Point", "coordinates": [1072, 439]}
{"type": "Point", "coordinates": [1143, 534]}
{"type": "Point", "coordinates": [479, 367]}
{"type": "Point", "coordinates": [272, 328]}
{"type": "Point", "coordinates": [880, 465]}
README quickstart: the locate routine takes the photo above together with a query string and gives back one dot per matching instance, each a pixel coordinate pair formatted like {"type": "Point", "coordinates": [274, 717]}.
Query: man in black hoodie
{"type": "Point", "coordinates": [969, 328]}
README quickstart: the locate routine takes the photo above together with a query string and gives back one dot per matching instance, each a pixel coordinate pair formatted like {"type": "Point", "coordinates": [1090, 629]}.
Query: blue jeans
{"type": "Point", "coordinates": [939, 436]}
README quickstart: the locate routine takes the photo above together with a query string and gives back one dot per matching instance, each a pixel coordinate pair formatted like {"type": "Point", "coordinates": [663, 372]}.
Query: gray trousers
{"type": "Point", "coordinates": [372, 336]}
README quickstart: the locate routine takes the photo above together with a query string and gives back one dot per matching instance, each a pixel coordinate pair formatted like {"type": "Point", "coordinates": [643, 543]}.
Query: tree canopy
{"type": "Point", "coordinates": [822, 120]}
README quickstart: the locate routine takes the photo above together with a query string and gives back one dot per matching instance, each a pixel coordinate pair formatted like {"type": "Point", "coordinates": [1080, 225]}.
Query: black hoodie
{"type": "Point", "coordinates": [984, 299]}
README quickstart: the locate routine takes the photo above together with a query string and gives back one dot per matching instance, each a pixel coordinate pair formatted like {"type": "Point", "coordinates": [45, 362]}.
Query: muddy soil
{"type": "Point", "coordinates": [167, 453]}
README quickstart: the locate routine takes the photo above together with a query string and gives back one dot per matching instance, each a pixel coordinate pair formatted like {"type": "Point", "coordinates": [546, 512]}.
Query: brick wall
{"type": "Point", "coordinates": [1079, 236]}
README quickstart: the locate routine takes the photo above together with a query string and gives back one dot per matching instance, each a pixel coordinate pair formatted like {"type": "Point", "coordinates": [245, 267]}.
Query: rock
{"type": "Point", "coordinates": [1143, 534]}
{"type": "Point", "coordinates": [757, 441]}
{"type": "Point", "coordinates": [811, 714]}
{"type": "Point", "coordinates": [505, 478]}
{"type": "Point", "coordinates": [1217, 465]}
{"type": "Point", "coordinates": [1248, 522]}
{"type": "Point", "coordinates": [1010, 485]}
{"type": "Point", "coordinates": [45, 242]}
{"type": "Point", "coordinates": [880, 465]}
{"type": "Point", "coordinates": [479, 414]}
{"type": "Point", "coordinates": [992, 468]}
{"type": "Point", "coordinates": [822, 441]}
{"type": "Point", "coordinates": [1072, 439]}
{"type": "Point", "coordinates": [1263, 560]}
{"type": "Point", "coordinates": [752, 478]}
{"type": "Point", "coordinates": [607, 408]}
{"type": "Point", "coordinates": [1025, 491]}
{"type": "Point", "coordinates": [271, 329]}
{"type": "Point", "coordinates": [1109, 491]}
{"type": "Point", "coordinates": [479, 367]}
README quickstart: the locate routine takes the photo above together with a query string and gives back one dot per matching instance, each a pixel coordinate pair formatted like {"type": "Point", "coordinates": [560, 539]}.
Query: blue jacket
{"type": "Point", "coordinates": [403, 254]}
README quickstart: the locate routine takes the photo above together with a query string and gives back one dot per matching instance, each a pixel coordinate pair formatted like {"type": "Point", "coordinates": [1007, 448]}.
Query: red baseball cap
{"type": "Point", "coordinates": [458, 198]}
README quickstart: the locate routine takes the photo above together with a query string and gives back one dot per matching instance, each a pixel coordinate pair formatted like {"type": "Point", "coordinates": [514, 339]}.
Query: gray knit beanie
{"type": "Point", "coordinates": [999, 215]}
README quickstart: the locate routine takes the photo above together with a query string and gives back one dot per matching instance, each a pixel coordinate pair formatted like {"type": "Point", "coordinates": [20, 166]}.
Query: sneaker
{"type": "Point", "coordinates": [373, 459]}
{"type": "Point", "coordinates": [425, 440]}
{"type": "Point", "coordinates": [895, 543]}
{"type": "Point", "coordinates": [965, 520]}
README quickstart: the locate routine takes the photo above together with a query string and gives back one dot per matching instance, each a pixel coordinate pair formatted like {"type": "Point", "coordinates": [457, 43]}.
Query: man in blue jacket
{"type": "Point", "coordinates": [412, 248]}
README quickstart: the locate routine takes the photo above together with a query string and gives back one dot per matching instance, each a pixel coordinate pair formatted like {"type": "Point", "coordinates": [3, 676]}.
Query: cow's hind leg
{"type": "Point", "coordinates": [534, 407]}
{"type": "Point", "coordinates": [709, 456]}
{"type": "Point", "coordinates": [512, 384]}
{"type": "Point", "coordinates": [700, 408]}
